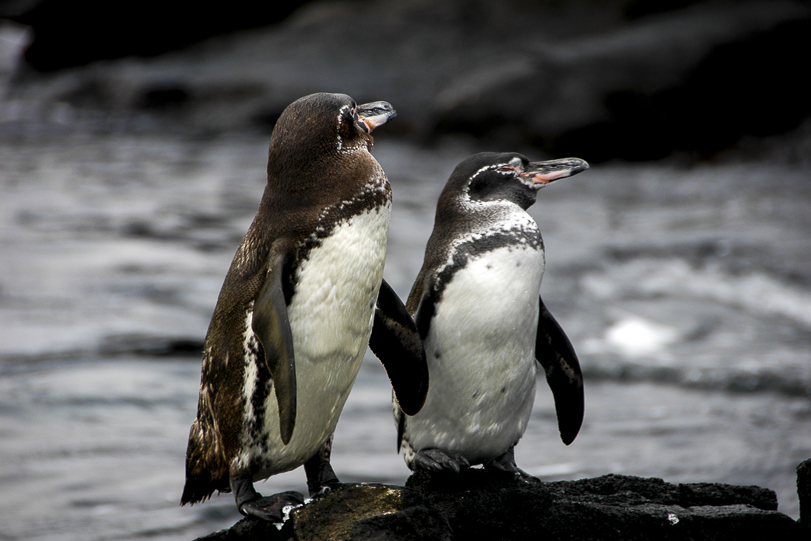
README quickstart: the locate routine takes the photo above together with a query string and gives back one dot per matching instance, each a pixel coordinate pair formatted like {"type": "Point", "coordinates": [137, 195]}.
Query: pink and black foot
{"type": "Point", "coordinates": [252, 504]}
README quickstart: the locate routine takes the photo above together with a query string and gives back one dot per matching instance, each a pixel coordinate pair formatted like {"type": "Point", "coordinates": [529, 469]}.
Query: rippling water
{"type": "Point", "coordinates": [686, 292]}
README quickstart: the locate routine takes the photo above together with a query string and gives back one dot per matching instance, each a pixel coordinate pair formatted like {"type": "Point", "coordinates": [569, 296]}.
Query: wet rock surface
{"type": "Point", "coordinates": [482, 505]}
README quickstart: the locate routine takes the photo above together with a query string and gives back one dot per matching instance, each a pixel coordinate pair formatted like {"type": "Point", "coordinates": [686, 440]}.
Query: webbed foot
{"type": "Point", "coordinates": [437, 460]}
{"type": "Point", "coordinates": [271, 508]}
{"type": "Point", "coordinates": [251, 503]}
{"type": "Point", "coordinates": [506, 463]}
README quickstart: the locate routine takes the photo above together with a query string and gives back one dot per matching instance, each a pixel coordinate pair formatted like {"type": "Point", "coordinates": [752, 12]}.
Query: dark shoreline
{"type": "Point", "coordinates": [481, 505]}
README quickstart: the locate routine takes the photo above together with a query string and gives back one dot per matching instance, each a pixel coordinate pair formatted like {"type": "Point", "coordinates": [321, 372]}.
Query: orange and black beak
{"type": "Point", "coordinates": [543, 173]}
{"type": "Point", "coordinates": [375, 114]}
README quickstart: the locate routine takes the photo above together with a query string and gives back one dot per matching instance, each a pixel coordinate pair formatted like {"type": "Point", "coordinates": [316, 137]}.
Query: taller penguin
{"type": "Point", "coordinates": [476, 304]}
{"type": "Point", "coordinates": [297, 309]}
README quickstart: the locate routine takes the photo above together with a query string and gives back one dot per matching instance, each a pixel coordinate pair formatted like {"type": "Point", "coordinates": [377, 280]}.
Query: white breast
{"type": "Point", "coordinates": [331, 312]}
{"type": "Point", "coordinates": [331, 316]}
{"type": "Point", "coordinates": [480, 351]}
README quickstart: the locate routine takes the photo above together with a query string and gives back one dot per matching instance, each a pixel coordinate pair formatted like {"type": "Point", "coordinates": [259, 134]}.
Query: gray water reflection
{"type": "Point", "coordinates": [686, 292]}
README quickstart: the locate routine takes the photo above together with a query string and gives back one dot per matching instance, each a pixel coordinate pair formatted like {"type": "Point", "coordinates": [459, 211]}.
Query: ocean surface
{"type": "Point", "coordinates": [685, 289]}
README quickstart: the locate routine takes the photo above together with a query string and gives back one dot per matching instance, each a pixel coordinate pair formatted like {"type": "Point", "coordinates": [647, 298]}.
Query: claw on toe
{"type": "Point", "coordinates": [521, 476]}
{"type": "Point", "coordinates": [506, 463]}
{"type": "Point", "coordinates": [325, 490]}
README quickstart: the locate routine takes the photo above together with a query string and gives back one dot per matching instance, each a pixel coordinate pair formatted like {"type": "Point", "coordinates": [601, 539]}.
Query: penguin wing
{"type": "Point", "coordinates": [272, 327]}
{"type": "Point", "coordinates": [421, 304]}
{"type": "Point", "coordinates": [396, 342]}
{"type": "Point", "coordinates": [556, 355]}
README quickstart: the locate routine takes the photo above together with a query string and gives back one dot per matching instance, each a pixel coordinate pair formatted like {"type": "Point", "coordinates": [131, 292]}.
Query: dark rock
{"type": "Point", "coordinates": [804, 492]}
{"type": "Point", "coordinates": [678, 81]}
{"type": "Point", "coordinates": [484, 505]}
{"type": "Point", "coordinates": [73, 33]}
{"type": "Point", "coordinates": [248, 529]}
{"type": "Point", "coordinates": [628, 79]}
{"type": "Point", "coordinates": [714, 494]}
{"type": "Point", "coordinates": [713, 95]}
{"type": "Point", "coordinates": [370, 512]}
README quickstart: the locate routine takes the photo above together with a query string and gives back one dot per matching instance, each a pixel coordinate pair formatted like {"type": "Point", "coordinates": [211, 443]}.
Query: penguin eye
{"type": "Point", "coordinates": [506, 169]}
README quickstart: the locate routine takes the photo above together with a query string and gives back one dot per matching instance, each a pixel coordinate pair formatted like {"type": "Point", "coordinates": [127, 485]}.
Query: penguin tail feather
{"type": "Point", "coordinates": [205, 473]}
{"type": "Point", "coordinates": [196, 490]}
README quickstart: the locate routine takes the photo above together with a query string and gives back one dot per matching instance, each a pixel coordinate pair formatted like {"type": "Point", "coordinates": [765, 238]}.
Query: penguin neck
{"type": "Point", "coordinates": [482, 216]}
{"type": "Point", "coordinates": [317, 209]}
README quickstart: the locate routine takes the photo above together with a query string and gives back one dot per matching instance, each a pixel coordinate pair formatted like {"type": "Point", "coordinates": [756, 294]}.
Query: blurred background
{"type": "Point", "coordinates": [133, 147]}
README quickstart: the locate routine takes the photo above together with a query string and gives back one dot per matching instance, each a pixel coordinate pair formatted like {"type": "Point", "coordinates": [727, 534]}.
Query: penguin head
{"type": "Point", "coordinates": [509, 176]}
{"type": "Point", "coordinates": [321, 127]}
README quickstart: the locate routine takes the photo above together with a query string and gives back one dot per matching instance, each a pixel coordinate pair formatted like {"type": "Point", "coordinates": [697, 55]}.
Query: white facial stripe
{"type": "Point", "coordinates": [513, 164]}
{"type": "Point", "coordinates": [483, 169]}
{"type": "Point", "coordinates": [361, 146]}
{"type": "Point", "coordinates": [497, 166]}
{"type": "Point", "coordinates": [341, 112]}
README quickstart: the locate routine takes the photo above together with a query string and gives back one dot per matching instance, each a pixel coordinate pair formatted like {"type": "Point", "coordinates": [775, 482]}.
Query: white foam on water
{"type": "Point", "coordinates": [636, 336]}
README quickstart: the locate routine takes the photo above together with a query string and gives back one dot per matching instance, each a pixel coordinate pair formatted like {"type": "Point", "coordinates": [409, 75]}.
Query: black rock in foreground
{"type": "Point", "coordinates": [482, 505]}
{"type": "Point", "coordinates": [804, 492]}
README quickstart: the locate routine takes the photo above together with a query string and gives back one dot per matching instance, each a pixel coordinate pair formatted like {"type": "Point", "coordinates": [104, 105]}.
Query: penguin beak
{"type": "Point", "coordinates": [543, 173]}
{"type": "Point", "coordinates": [375, 114]}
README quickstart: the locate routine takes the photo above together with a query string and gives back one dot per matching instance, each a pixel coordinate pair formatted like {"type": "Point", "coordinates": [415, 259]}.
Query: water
{"type": "Point", "coordinates": [686, 292]}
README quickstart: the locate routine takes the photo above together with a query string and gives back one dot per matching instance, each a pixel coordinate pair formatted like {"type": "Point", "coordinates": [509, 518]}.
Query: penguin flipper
{"type": "Point", "coordinates": [272, 327]}
{"type": "Point", "coordinates": [555, 354]}
{"type": "Point", "coordinates": [396, 342]}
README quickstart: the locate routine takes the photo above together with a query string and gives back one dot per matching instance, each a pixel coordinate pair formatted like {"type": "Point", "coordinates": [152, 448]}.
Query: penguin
{"type": "Point", "coordinates": [477, 307]}
{"type": "Point", "coordinates": [303, 295]}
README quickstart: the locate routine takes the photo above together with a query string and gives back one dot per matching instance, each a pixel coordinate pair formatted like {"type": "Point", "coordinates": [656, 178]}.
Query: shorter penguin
{"type": "Point", "coordinates": [477, 308]}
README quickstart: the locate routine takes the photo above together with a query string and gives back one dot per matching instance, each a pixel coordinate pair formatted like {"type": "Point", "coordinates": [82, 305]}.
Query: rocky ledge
{"type": "Point", "coordinates": [482, 505]}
